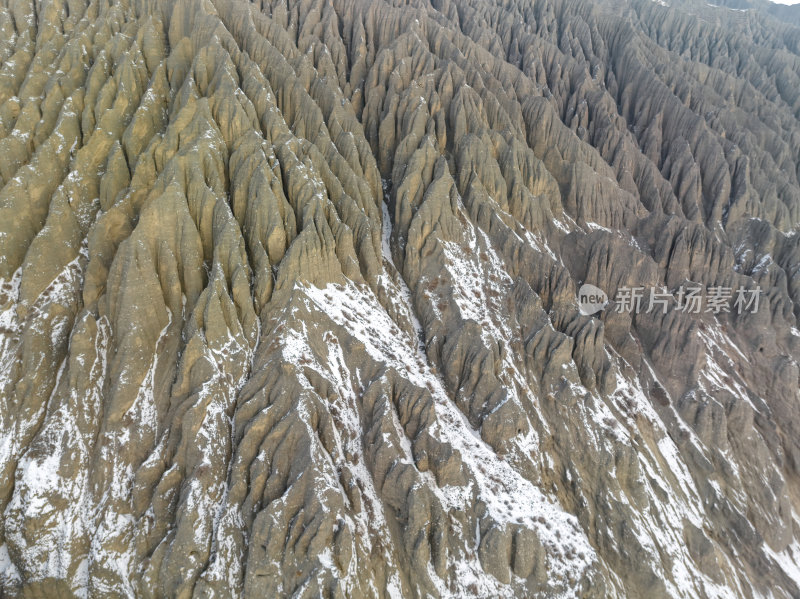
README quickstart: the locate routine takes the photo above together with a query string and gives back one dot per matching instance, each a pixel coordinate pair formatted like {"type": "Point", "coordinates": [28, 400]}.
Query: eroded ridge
{"type": "Point", "coordinates": [288, 299]}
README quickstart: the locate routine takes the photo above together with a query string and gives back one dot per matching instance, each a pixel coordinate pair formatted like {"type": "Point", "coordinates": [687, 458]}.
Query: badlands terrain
{"type": "Point", "coordinates": [289, 299]}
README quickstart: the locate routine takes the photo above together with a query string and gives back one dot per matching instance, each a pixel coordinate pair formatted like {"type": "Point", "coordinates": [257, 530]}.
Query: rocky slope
{"type": "Point", "coordinates": [288, 299]}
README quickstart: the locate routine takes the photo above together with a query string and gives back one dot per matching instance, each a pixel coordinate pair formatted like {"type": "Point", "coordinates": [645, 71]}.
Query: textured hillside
{"type": "Point", "coordinates": [288, 299]}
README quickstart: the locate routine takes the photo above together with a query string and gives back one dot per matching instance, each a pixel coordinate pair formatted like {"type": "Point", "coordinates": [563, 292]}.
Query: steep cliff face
{"type": "Point", "coordinates": [288, 299]}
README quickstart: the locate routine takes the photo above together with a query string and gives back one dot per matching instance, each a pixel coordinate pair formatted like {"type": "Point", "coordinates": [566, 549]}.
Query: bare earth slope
{"type": "Point", "coordinates": [288, 299]}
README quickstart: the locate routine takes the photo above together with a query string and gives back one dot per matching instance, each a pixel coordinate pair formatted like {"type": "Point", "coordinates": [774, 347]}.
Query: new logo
{"type": "Point", "coordinates": [591, 299]}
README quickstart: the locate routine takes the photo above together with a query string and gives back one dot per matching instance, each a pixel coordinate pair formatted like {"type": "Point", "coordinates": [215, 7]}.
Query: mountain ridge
{"type": "Point", "coordinates": [288, 299]}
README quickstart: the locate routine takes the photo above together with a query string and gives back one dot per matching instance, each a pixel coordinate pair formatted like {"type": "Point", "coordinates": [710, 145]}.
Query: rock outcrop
{"type": "Point", "coordinates": [288, 298]}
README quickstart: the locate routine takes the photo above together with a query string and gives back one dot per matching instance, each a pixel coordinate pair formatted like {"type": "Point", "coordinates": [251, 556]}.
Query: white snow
{"type": "Point", "coordinates": [8, 571]}
{"type": "Point", "coordinates": [788, 560]}
{"type": "Point", "coordinates": [509, 497]}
